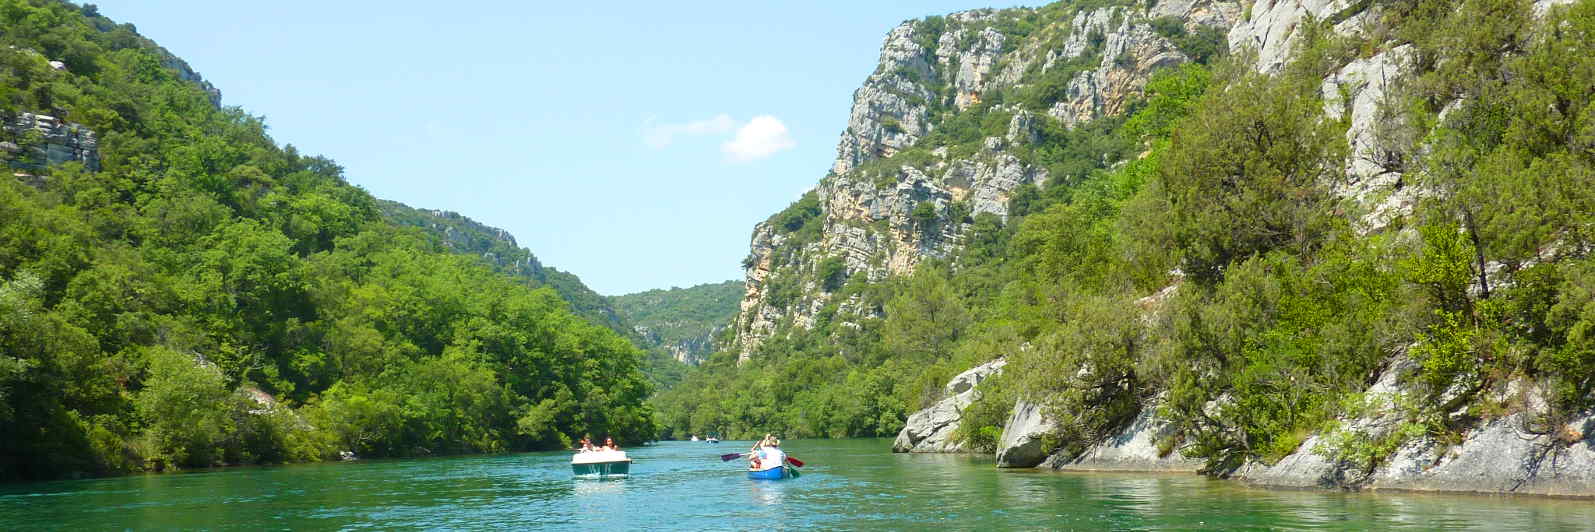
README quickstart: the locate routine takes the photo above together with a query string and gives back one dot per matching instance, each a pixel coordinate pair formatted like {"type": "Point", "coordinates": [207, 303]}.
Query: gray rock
{"type": "Point", "coordinates": [1271, 30]}
{"type": "Point", "coordinates": [1024, 128]}
{"type": "Point", "coordinates": [930, 430]}
{"type": "Point", "coordinates": [868, 220]}
{"type": "Point", "coordinates": [1309, 468]}
{"type": "Point", "coordinates": [1376, 136]}
{"type": "Point", "coordinates": [62, 141]}
{"type": "Point", "coordinates": [1301, 469]}
{"type": "Point", "coordinates": [967, 380]}
{"type": "Point", "coordinates": [1135, 448]}
{"type": "Point", "coordinates": [1021, 444]}
{"type": "Point", "coordinates": [1499, 457]}
{"type": "Point", "coordinates": [890, 111]}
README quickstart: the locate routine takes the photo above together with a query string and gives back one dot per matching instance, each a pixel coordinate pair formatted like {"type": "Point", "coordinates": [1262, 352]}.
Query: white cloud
{"type": "Point", "coordinates": [661, 135]}
{"type": "Point", "coordinates": [761, 137]}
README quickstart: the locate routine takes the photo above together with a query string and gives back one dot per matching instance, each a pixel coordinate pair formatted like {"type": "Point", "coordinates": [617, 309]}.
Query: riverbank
{"type": "Point", "coordinates": [1516, 454]}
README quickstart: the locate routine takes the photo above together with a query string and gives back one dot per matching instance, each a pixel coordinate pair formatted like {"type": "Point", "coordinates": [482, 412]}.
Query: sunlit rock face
{"type": "Point", "coordinates": [932, 430]}
{"type": "Point", "coordinates": [882, 218]}
{"type": "Point", "coordinates": [50, 141]}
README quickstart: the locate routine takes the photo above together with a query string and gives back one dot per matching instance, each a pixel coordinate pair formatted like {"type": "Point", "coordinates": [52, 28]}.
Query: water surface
{"type": "Point", "coordinates": [846, 484]}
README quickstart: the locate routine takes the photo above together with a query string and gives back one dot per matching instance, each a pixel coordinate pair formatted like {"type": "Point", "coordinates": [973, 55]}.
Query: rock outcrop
{"type": "Point", "coordinates": [1502, 456]}
{"type": "Point", "coordinates": [1023, 436]}
{"type": "Point", "coordinates": [890, 201]}
{"type": "Point", "coordinates": [1140, 446]}
{"type": "Point", "coordinates": [931, 430]}
{"type": "Point", "coordinates": [687, 350]}
{"type": "Point", "coordinates": [47, 141]}
{"type": "Point", "coordinates": [1508, 454]}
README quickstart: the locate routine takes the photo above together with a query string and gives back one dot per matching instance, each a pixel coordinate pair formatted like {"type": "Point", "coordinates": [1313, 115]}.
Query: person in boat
{"type": "Point", "coordinates": [767, 451]}
{"type": "Point", "coordinates": [609, 444]}
{"type": "Point", "coordinates": [586, 444]}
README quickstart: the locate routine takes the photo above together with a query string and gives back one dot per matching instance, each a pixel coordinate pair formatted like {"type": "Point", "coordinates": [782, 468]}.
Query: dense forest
{"type": "Point", "coordinates": [198, 295]}
{"type": "Point", "coordinates": [463, 235]}
{"type": "Point", "coordinates": [684, 320]}
{"type": "Point", "coordinates": [1198, 259]}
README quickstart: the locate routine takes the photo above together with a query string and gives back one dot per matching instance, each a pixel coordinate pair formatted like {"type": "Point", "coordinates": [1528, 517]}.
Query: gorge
{"type": "Point", "coordinates": [1301, 243]}
{"type": "Point", "coordinates": [1338, 244]}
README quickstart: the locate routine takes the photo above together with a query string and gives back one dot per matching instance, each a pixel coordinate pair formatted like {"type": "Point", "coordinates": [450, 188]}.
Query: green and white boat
{"type": "Point", "coordinates": [600, 464]}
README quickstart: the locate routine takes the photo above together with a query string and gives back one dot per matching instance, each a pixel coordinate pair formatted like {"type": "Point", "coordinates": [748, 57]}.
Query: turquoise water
{"type": "Point", "coordinates": [847, 484]}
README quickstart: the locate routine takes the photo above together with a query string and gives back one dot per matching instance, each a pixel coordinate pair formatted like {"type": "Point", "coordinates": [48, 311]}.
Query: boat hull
{"type": "Point", "coordinates": [774, 473]}
{"type": "Point", "coordinates": [602, 469]}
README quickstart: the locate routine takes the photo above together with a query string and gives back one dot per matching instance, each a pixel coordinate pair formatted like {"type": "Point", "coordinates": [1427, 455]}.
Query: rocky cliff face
{"type": "Point", "coordinates": [681, 321]}
{"type": "Point", "coordinates": [911, 175]}
{"type": "Point", "coordinates": [44, 140]}
{"type": "Point", "coordinates": [1520, 453]}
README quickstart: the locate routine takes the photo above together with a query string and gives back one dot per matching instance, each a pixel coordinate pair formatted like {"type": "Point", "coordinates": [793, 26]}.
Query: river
{"type": "Point", "coordinates": [846, 484]}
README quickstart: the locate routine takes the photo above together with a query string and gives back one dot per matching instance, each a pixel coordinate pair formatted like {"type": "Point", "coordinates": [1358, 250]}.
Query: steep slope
{"type": "Point", "coordinates": [1354, 253]}
{"type": "Point", "coordinates": [962, 112]}
{"type": "Point", "coordinates": [497, 246]}
{"type": "Point", "coordinates": [682, 321]}
{"type": "Point", "coordinates": [177, 290]}
{"type": "Point", "coordinates": [971, 123]}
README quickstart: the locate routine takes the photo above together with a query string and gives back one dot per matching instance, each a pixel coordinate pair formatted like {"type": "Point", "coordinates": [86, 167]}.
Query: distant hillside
{"type": "Point", "coordinates": [682, 321]}
{"type": "Point", "coordinates": [465, 236]}
{"type": "Point", "coordinates": [178, 291]}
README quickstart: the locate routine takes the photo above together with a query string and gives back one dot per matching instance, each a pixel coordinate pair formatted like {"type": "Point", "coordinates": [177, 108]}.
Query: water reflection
{"type": "Point", "coordinates": [585, 487]}
{"type": "Point", "coordinates": [852, 484]}
{"type": "Point", "coordinates": [768, 492]}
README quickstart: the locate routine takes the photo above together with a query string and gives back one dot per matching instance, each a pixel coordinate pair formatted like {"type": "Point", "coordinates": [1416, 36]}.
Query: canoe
{"type": "Point", "coordinates": [774, 473]}
{"type": "Point", "coordinates": [601, 464]}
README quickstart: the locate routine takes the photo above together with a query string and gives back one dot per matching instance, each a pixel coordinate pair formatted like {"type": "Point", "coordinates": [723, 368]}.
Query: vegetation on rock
{"type": "Point", "coordinates": [1200, 257]}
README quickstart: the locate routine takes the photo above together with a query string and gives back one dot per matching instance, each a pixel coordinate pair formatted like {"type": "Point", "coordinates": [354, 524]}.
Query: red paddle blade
{"type": "Point", "coordinates": [729, 457]}
{"type": "Point", "coordinates": [794, 461]}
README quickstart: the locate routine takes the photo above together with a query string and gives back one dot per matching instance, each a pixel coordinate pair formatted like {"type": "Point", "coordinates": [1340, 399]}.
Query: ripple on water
{"type": "Point", "coordinates": [848, 484]}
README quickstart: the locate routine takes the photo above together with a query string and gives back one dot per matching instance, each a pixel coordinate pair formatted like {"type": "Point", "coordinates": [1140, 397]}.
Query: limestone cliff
{"type": "Point", "coordinates": [43, 140]}
{"type": "Point", "coordinates": [1528, 450]}
{"type": "Point", "coordinates": [681, 321]}
{"type": "Point", "coordinates": [941, 134]}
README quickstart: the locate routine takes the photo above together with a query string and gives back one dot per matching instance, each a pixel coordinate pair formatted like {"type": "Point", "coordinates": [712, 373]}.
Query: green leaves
{"type": "Point", "coordinates": [209, 297]}
{"type": "Point", "coordinates": [1248, 173]}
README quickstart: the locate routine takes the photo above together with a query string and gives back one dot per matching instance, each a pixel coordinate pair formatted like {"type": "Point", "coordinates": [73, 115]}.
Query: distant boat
{"type": "Point", "coordinates": [694, 437]}
{"type": "Point", "coordinates": [600, 464]}
{"type": "Point", "coordinates": [713, 439]}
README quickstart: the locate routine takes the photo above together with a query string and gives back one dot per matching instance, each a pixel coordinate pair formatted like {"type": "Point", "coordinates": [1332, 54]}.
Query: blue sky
{"type": "Point", "coordinates": [633, 144]}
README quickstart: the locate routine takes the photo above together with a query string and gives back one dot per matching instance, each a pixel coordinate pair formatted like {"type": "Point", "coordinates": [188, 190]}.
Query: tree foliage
{"type": "Point", "coordinates": [209, 297]}
{"type": "Point", "coordinates": [1204, 261]}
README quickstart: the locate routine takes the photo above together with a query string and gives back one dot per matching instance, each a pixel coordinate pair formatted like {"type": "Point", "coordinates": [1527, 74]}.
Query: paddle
{"type": "Point", "coordinates": [734, 456]}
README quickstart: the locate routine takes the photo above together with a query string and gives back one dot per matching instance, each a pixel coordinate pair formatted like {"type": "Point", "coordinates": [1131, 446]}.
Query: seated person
{"type": "Point", "coordinates": [772, 453]}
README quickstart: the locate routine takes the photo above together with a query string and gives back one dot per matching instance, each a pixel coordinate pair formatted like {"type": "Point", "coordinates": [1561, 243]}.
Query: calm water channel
{"type": "Point", "coordinates": [849, 484]}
